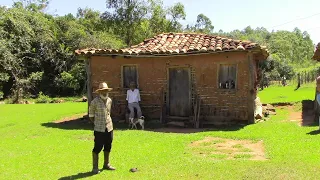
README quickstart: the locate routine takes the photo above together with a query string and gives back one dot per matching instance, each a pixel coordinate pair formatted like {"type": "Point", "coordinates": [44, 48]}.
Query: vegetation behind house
{"type": "Point", "coordinates": [37, 48]}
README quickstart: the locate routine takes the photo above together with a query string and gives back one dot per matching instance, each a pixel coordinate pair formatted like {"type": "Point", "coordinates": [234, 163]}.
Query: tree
{"type": "Point", "coordinates": [4, 77]}
{"type": "Point", "coordinates": [21, 31]}
{"type": "Point", "coordinates": [135, 20]}
{"type": "Point", "coordinates": [126, 16]}
{"type": "Point", "coordinates": [296, 47]}
{"type": "Point", "coordinates": [204, 24]}
{"type": "Point", "coordinates": [157, 21]}
{"type": "Point", "coordinates": [90, 19]}
{"type": "Point", "coordinates": [32, 5]}
{"type": "Point", "coordinates": [177, 13]}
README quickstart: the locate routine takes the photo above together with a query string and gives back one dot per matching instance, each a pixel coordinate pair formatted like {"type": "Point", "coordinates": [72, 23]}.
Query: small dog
{"type": "Point", "coordinates": [134, 121]}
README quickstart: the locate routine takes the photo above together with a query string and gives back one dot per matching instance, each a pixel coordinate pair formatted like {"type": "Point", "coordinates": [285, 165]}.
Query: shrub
{"type": "Point", "coordinates": [42, 98]}
{"type": "Point", "coordinates": [1, 94]}
{"type": "Point", "coordinates": [67, 83]}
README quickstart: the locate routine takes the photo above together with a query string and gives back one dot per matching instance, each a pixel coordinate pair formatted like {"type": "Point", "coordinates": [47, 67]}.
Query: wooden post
{"type": "Point", "coordinates": [262, 80]}
{"type": "Point", "coordinates": [195, 109]}
{"type": "Point", "coordinates": [251, 94]}
{"type": "Point", "coordinates": [198, 116]}
{"type": "Point", "coordinates": [305, 79]}
{"type": "Point", "coordinates": [89, 83]}
{"type": "Point", "coordinates": [299, 81]}
{"type": "Point", "coordinates": [162, 98]}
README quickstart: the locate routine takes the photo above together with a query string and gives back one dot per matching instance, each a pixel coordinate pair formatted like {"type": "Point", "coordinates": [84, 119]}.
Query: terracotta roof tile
{"type": "Point", "coordinates": [179, 43]}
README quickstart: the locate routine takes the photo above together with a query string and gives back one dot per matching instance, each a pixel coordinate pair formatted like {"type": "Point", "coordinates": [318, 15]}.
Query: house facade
{"type": "Point", "coordinates": [181, 77]}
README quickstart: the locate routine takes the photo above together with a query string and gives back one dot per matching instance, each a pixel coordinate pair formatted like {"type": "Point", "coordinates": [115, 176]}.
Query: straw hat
{"type": "Point", "coordinates": [103, 87]}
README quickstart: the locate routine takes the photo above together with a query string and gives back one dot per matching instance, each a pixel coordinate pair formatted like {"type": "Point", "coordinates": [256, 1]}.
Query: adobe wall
{"type": "Point", "coordinates": [152, 77]}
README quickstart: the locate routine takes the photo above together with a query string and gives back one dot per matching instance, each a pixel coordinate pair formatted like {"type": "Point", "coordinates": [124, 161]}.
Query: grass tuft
{"type": "Point", "coordinates": [242, 156]}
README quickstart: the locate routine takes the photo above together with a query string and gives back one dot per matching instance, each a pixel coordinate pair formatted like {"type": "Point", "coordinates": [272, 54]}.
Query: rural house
{"type": "Point", "coordinates": [191, 78]}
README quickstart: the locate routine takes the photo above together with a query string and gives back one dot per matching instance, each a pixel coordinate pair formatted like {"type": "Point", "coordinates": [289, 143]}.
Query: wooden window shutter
{"type": "Point", "coordinates": [227, 76]}
{"type": "Point", "coordinates": [129, 75]}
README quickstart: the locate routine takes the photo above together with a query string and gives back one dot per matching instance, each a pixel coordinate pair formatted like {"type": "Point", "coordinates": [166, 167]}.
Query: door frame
{"type": "Point", "coordinates": [168, 86]}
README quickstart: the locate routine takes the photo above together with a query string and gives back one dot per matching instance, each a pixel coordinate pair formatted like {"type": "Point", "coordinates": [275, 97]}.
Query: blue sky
{"type": "Point", "coordinates": [227, 15]}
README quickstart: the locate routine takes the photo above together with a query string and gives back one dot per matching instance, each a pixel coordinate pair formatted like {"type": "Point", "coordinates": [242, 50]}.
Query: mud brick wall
{"type": "Point", "coordinates": [152, 80]}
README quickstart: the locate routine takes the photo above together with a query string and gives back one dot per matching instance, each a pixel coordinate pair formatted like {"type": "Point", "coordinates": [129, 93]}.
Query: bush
{"type": "Point", "coordinates": [4, 77]}
{"type": "Point", "coordinates": [42, 98]}
{"type": "Point", "coordinates": [67, 83]}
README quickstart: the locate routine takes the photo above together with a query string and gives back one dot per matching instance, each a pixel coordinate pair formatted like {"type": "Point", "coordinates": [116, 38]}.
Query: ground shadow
{"type": "Point", "coordinates": [308, 113]}
{"type": "Point", "coordinates": [315, 132]}
{"type": "Point", "coordinates": [156, 126]}
{"type": "Point", "coordinates": [78, 176]}
{"type": "Point", "coordinates": [73, 124]}
{"type": "Point", "coordinates": [172, 129]}
{"type": "Point", "coordinates": [303, 113]}
{"type": "Point", "coordinates": [152, 125]}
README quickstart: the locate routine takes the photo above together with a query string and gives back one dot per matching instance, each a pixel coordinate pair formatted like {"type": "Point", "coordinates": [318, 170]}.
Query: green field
{"type": "Point", "coordinates": [32, 147]}
{"type": "Point", "coordinates": [276, 94]}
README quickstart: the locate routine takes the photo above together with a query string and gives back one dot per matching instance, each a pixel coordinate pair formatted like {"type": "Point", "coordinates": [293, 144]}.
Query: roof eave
{"type": "Point", "coordinates": [158, 54]}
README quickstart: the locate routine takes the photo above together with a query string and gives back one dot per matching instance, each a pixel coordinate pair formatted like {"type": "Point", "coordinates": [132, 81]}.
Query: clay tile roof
{"type": "Point", "coordinates": [316, 55]}
{"type": "Point", "coordinates": [180, 43]}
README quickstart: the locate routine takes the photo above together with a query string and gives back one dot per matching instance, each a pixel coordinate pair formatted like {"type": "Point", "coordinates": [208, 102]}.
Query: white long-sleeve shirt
{"type": "Point", "coordinates": [133, 96]}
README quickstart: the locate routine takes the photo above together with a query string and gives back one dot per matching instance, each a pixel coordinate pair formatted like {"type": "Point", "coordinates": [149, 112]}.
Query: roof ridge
{"type": "Point", "coordinates": [180, 43]}
{"type": "Point", "coordinates": [190, 33]}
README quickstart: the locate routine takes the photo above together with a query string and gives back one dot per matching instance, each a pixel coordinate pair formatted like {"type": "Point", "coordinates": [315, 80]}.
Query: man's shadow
{"type": "Point", "coordinates": [315, 132]}
{"type": "Point", "coordinates": [78, 176]}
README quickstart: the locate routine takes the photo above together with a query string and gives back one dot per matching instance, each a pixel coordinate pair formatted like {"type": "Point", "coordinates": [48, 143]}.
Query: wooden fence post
{"type": "Point", "coordinates": [298, 81]}
{"type": "Point", "coordinates": [89, 83]}
{"type": "Point", "coordinates": [251, 93]}
{"type": "Point", "coordinates": [305, 77]}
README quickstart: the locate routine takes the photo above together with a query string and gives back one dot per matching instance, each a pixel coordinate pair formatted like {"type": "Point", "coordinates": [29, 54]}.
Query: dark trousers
{"type": "Point", "coordinates": [102, 140]}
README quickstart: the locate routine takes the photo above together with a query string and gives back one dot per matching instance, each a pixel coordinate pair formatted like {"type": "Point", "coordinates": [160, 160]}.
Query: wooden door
{"type": "Point", "coordinates": [179, 92]}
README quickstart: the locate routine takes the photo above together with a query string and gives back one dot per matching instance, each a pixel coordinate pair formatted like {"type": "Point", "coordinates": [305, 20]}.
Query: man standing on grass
{"type": "Point", "coordinates": [133, 98]}
{"type": "Point", "coordinates": [99, 114]}
{"type": "Point", "coordinates": [318, 95]}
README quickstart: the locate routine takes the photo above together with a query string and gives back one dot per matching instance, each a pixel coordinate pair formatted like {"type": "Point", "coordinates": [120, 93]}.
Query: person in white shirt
{"type": "Point", "coordinates": [133, 98]}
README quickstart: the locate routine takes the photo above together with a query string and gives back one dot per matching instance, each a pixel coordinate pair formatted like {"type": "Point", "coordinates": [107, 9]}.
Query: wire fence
{"type": "Point", "coordinates": [299, 80]}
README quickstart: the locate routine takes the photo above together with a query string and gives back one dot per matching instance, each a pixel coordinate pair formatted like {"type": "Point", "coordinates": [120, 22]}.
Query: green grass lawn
{"type": "Point", "coordinates": [276, 94]}
{"type": "Point", "coordinates": [32, 147]}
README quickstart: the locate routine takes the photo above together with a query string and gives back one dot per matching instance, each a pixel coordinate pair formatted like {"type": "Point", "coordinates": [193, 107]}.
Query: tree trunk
{"type": "Point", "coordinates": [298, 86]}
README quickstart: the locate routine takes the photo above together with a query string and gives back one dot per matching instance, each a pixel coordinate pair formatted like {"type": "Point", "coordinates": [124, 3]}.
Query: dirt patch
{"type": "Point", "coordinates": [70, 118]}
{"type": "Point", "coordinates": [303, 116]}
{"type": "Point", "coordinates": [301, 119]}
{"type": "Point", "coordinates": [228, 149]}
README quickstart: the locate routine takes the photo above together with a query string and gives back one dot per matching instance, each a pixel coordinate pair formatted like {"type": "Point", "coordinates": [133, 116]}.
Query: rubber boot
{"type": "Point", "coordinates": [106, 164]}
{"type": "Point", "coordinates": [95, 163]}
